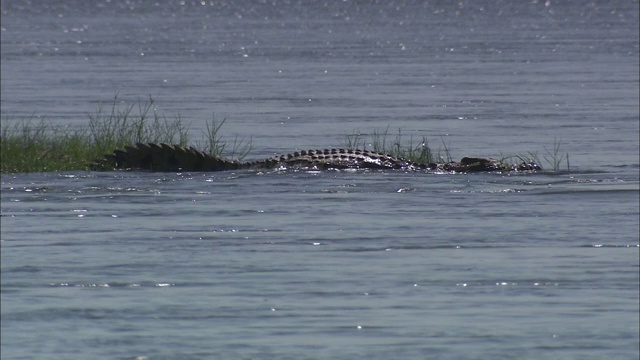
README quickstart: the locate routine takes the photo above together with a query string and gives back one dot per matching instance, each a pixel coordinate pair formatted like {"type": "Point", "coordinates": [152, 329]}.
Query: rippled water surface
{"type": "Point", "coordinates": [333, 264]}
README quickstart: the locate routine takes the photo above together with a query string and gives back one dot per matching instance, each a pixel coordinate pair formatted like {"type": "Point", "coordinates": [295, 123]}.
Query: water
{"type": "Point", "coordinates": [290, 265]}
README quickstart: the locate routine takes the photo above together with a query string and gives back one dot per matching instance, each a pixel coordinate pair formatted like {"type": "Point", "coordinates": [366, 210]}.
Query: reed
{"type": "Point", "coordinates": [415, 150]}
{"type": "Point", "coordinates": [551, 160]}
{"type": "Point", "coordinates": [239, 149]}
{"type": "Point", "coordinates": [419, 151]}
{"type": "Point", "coordinates": [123, 126]}
{"type": "Point", "coordinates": [28, 146]}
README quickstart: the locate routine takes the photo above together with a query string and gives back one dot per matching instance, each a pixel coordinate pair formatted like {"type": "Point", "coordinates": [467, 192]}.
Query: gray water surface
{"type": "Point", "coordinates": [333, 264]}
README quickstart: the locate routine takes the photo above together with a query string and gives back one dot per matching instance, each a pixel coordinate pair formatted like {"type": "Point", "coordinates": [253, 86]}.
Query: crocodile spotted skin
{"type": "Point", "coordinates": [176, 158]}
{"type": "Point", "coordinates": [337, 159]}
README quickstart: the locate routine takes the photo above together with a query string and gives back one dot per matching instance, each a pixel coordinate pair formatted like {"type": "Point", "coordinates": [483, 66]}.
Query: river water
{"type": "Point", "coordinates": [332, 264]}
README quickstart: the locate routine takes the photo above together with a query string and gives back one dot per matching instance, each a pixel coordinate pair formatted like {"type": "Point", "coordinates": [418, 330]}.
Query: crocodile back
{"type": "Point", "coordinates": [177, 158]}
{"type": "Point", "coordinates": [338, 159]}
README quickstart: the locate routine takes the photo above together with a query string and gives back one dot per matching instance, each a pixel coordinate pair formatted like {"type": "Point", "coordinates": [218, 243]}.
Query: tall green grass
{"type": "Point", "coordinates": [29, 146]}
{"type": "Point", "coordinates": [238, 149]}
{"type": "Point", "coordinates": [419, 151]}
{"type": "Point", "coordinates": [415, 150]}
{"type": "Point", "coordinates": [552, 158]}
{"type": "Point", "coordinates": [121, 125]}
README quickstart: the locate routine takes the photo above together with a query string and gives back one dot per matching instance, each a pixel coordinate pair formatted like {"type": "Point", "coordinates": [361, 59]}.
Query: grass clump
{"type": "Point", "coordinates": [123, 126]}
{"type": "Point", "coordinates": [416, 151]}
{"type": "Point", "coordinates": [553, 158]}
{"type": "Point", "coordinates": [28, 147]}
{"type": "Point", "coordinates": [420, 151]}
{"type": "Point", "coordinates": [34, 147]}
{"type": "Point", "coordinates": [239, 149]}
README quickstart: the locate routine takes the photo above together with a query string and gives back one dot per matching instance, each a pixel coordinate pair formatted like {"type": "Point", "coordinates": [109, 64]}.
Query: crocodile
{"type": "Point", "coordinates": [176, 158]}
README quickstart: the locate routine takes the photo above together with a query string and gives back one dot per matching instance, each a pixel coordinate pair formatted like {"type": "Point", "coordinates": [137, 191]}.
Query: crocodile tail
{"type": "Point", "coordinates": [162, 157]}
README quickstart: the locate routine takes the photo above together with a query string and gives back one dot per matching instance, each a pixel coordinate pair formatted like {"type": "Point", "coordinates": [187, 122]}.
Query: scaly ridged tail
{"type": "Point", "coordinates": [163, 157]}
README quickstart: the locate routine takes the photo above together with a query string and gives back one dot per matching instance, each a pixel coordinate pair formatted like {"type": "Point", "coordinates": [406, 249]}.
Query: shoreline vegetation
{"type": "Point", "coordinates": [40, 147]}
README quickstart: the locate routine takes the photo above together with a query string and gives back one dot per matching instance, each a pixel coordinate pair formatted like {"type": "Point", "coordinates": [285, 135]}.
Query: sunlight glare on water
{"type": "Point", "coordinates": [329, 264]}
